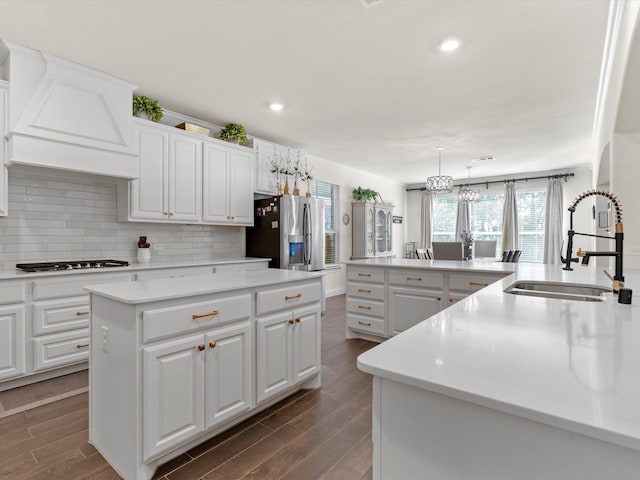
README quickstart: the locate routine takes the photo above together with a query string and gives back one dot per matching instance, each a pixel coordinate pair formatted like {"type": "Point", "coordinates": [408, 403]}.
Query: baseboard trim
{"type": "Point", "coordinates": [336, 291]}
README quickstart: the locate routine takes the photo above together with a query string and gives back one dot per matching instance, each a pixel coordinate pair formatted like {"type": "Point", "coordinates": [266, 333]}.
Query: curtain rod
{"type": "Point", "coordinates": [508, 180]}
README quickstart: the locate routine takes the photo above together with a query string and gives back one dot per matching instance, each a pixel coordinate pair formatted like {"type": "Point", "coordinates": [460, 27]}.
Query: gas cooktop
{"type": "Point", "coordinates": [69, 265]}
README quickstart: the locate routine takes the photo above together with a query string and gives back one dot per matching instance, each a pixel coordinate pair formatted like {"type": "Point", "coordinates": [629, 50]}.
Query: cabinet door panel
{"type": "Point", "coordinates": [215, 189]}
{"type": "Point", "coordinates": [228, 373]}
{"type": "Point", "coordinates": [409, 307]}
{"type": "Point", "coordinates": [12, 341]}
{"type": "Point", "coordinates": [306, 345]}
{"type": "Point", "coordinates": [274, 362]}
{"type": "Point", "coordinates": [4, 195]}
{"type": "Point", "coordinates": [59, 349]}
{"type": "Point", "coordinates": [173, 394]}
{"type": "Point", "coordinates": [148, 193]}
{"type": "Point", "coordinates": [240, 194]}
{"type": "Point", "coordinates": [185, 173]}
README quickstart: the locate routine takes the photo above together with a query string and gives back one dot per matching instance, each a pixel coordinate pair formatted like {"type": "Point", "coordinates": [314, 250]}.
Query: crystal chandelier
{"type": "Point", "coordinates": [441, 183]}
{"type": "Point", "coordinates": [467, 194]}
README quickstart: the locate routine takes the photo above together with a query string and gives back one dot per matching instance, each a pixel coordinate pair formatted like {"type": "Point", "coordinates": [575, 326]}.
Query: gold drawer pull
{"type": "Point", "coordinates": [364, 307]}
{"type": "Point", "coordinates": [79, 314]}
{"type": "Point", "coordinates": [364, 323]}
{"type": "Point", "coordinates": [212, 344]}
{"type": "Point", "coordinates": [200, 347]}
{"type": "Point", "coordinates": [438, 298]}
{"type": "Point", "coordinates": [287, 298]}
{"type": "Point", "coordinates": [297, 319]}
{"type": "Point", "coordinates": [82, 345]}
{"type": "Point", "coordinates": [364, 290]}
{"type": "Point", "coordinates": [291, 321]}
{"type": "Point", "coordinates": [210, 314]}
{"type": "Point", "coordinates": [478, 284]}
{"type": "Point", "coordinates": [452, 300]}
{"type": "Point", "coordinates": [417, 279]}
{"type": "Point", "coordinates": [364, 274]}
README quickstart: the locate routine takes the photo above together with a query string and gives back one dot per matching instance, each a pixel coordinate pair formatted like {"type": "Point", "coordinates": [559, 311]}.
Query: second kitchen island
{"type": "Point", "coordinates": [177, 361]}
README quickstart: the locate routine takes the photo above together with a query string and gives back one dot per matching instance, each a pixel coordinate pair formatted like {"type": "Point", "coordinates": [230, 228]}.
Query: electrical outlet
{"type": "Point", "coordinates": [158, 246]}
{"type": "Point", "coordinates": [105, 338]}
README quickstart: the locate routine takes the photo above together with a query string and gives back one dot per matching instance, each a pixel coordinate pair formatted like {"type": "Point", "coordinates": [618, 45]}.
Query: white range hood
{"type": "Point", "coordinates": [67, 116]}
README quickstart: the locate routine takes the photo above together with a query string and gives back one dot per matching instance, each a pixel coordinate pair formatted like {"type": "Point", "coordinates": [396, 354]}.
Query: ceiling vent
{"type": "Point", "coordinates": [369, 3]}
{"type": "Point", "coordinates": [484, 158]}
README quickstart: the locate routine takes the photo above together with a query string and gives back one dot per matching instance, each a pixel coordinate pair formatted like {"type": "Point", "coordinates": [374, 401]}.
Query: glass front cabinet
{"type": "Point", "coordinates": [372, 234]}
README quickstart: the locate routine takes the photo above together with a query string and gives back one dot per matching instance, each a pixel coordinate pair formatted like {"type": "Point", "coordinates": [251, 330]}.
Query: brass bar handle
{"type": "Point", "coordinates": [200, 348]}
{"type": "Point", "coordinates": [417, 279]}
{"type": "Point", "coordinates": [213, 313]}
{"type": "Point", "coordinates": [364, 323]}
{"type": "Point", "coordinates": [212, 344]}
{"type": "Point", "coordinates": [297, 319]}
{"type": "Point", "coordinates": [478, 284]}
{"type": "Point", "coordinates": [364, 274]}
{"type": "Point", "coordinates": [79, 314]}
{"type": "Point", "coordinates": [364, 307]}
{"type": "Point", "coordinates": [294, 297]}
{"type": "Point", "coordinates": [82, 345]}
{"type": "Point", "coordinates": [364, 290]}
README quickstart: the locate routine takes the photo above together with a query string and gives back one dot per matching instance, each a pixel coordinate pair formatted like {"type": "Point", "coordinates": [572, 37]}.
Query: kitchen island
{"type": "Point", "coordinates": [503, 386]}
{"type": "Point", "coordinates": [176, 361]}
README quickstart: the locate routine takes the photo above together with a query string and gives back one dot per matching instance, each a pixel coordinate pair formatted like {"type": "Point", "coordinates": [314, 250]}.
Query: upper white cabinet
{"type": "Point", "coordinates": [67, 116]}
{"type": "Point", "coordinates": [169, 186]}
{"type": "Point", "coordinates": [4, 195]}
{"type": "Point", "coordinates": [227, 179]}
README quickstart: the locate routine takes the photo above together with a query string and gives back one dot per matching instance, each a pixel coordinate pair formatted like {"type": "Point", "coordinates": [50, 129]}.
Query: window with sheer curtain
{"type": "Point", "coordinates": [486, 220]}
{"type": "Point", "coordinates": [330, 193]}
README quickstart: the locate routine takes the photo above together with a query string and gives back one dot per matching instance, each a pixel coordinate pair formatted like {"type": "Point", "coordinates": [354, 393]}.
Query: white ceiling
{"type": "Point", "coordinates": [366, 87]}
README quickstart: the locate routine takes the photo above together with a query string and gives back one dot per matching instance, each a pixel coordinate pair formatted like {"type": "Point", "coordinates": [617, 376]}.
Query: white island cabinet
{"type": "Point", "coordinates": [503, 387]}
{"type": "Point", "coordinates": [175, 361]}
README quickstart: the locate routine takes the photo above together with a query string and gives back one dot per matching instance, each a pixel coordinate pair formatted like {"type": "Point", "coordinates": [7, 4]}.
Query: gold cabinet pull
{"type": "Point", "coordinates": [212, 344]}
{"type": "Point", "coordinates": [478, 284]}
{"type": "Point", "coordinates": [79, 314]}
{"type": "Point", "coordinates": [170, 214]}
{"type": "Point", "coordinates": [291, 321]}
{"type": "Point", "coordinates": [287, 297]}
{"type": "Point", "coordinates": [452, 300]}
{"type": "Point", "coordinates": [297, 319]}
{"type": "Point", "coordinates": [165, 213]}
{"type": "Point", "coordinates": [200, 347]}
{"type": "Point", "coordinates": [364, 290]}
{"type": "Point", "coordinates": [438, 298]}
{"type": "Point", "coordinates": [364, 274]}
{"type": "Point", "coordinates": [82, 345]}
{"type": "Point", "coordinates": [417, 279]}
{"type": "Point", "coordinates": [364, 323]}
{"type": "Point", "coordinates": [364, 307]}
{"type": "Point", "coordinates": [212, 313]}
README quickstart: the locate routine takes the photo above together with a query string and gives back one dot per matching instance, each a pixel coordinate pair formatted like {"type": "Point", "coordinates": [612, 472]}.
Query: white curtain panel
{"type": "Point", "coordinates": [553, 233]}
{"type": "Point", "coordinates": [462, 220]}
{"type": "Point", "coordinates": [510, 218]}
{"type": "Point", "coordinates": [426, 212]}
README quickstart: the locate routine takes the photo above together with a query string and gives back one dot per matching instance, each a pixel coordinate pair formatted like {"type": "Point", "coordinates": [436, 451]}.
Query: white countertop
{"type": "Point", "coordinates": [133, 267]}
{"type": "Point", "coordinates": [565, 363]}
{"type": "Point", "coordinates": [170, 288]}
{"type": "Point", "coordinates": [485, 265]}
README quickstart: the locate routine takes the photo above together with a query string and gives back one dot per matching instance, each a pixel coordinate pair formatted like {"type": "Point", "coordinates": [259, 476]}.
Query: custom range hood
{"type": "Point", "coordinates": [66, 116]}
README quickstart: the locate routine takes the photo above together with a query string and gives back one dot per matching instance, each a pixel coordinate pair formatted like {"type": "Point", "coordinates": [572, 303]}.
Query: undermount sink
{"type": "Point", "coordinates": [561, 291]}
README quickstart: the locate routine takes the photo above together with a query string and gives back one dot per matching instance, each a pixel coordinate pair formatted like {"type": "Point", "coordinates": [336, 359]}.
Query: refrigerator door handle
{"type": "Point", "coordinates": [306, 232]}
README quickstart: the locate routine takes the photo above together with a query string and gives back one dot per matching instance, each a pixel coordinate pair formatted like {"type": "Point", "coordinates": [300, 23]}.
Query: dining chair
{"type": "Point", "coordinates": [423, 253]}
{"type": "Point", "coordinates": [484, 248]}
{"type": "Point", "coordinates": [447, 250]}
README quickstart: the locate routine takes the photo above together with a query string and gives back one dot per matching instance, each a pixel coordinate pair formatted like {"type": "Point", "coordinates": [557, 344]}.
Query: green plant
{"type": "Point", "coordinates": [149, 106]}
{"type": "Point", "coordinates": [234, 133]}
{"type": "Point", "coordinates": [361, 194]}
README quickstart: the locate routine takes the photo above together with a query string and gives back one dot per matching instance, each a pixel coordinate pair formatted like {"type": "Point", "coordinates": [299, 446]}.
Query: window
{"type": "Point", "coordinates": [330, 193]}
{"type": "Point", "coordinates": [443, 222]}
{"type": "Point", "coordinates": [531, 210]}
{"type": "Point", "coordinates": [486, 217]}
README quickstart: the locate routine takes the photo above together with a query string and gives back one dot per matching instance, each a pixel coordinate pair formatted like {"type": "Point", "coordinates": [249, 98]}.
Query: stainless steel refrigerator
{"type": "Point", "coordinates": [289, 230]}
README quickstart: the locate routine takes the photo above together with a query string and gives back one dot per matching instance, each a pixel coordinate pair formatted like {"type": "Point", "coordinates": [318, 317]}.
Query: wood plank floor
{"type": "Point", "coordinates": [314, 434]}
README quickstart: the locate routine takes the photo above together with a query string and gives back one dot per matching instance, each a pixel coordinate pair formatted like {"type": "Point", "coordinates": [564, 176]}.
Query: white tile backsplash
{"type": "Point", "coordinates": [55, 219]}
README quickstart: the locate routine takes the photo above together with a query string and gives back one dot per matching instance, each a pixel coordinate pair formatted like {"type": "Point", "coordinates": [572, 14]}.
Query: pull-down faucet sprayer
{"type": "Point", "coordinates": [618, 278]}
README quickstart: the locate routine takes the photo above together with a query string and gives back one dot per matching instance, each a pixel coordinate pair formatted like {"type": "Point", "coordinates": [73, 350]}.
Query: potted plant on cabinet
{"type": "Point", "coordinates": [364, 194]}
{"type": "Point", "coordinates": [145, 107]}
{"type": "Point", "coordinates": [234, 132]}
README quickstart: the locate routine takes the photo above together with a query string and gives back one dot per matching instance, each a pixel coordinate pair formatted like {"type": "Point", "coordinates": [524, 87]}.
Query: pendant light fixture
{"type": "Point", "coordinates": [467, 194]}
{"type": "Point", "coordinates": [440, 183]}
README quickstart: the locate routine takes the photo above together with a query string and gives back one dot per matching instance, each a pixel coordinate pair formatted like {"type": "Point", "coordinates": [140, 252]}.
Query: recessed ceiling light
{"type": "Point", "coordinates": [449, 45]}
{"type": "Point", "coordinates": [276, 107]}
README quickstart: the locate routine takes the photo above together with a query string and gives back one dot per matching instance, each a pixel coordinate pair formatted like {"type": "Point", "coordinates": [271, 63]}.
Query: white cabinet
{"type": "Point", "coordinates": [169, 186]}
{"type": "Point", "coordinates": [4, 188]}
{"type": "Point", "coordinates": [12, 341]}
{"type": "Point", "coordinates": [227, 180]}
{"type": "Point", "coordinates": [409, 306]}
{"type": "Point", "coordinates": [372, 230]}
{"type": "Point", "coordinates": [288, 350]}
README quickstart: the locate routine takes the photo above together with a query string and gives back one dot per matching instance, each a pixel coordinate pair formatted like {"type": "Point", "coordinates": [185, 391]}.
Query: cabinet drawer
{"type": "Point", "coordinates": [363, 290]}
{"type": "Point", "coordinates": [164, 322]}
{"type": "Point", "coordinates": [471, 283]}
{"type": "Point", "coordinates": [73, 285]}
{"type": "Point", "coordinates": [60, 349]}
{"type": "Point", "coordinates": [365, 324]}
{"type": "Point", "coordinates": [173, 272]}
{"type": "Point", "coordinates": [52, 316]}
{"type": "Point", "coordinates": [369, 275]}
{"type": "Point", "coordinates": [288, 297]}
{"type": "Point", "coordinates": [416, 278]}
{"type": "Point", "coordinates": [365, 307]}
{"type": "Point", "coordinates": [12, 292]}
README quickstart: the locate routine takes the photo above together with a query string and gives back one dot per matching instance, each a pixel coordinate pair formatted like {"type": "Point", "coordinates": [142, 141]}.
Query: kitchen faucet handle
{"type": "Point", "coordinates": [616, 284]}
